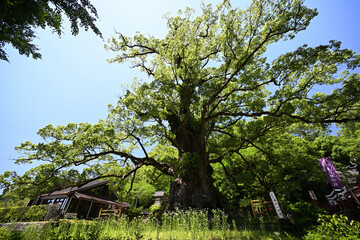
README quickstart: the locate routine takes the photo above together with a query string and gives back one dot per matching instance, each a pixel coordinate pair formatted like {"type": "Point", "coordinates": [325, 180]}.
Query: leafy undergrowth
{"type": "Point", "coordinates": [335, 227]}
{"type": "Point", "coordinates": [175, 225]}
{"type": "Point", "coordinates": [33, 213]}
{"type": "Point", "coordinates": [112, 231]}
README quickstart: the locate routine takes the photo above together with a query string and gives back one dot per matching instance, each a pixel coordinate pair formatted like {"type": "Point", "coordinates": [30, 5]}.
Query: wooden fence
{"type": "Point", "coordinates": [105, 213]}
{"type": "Point", "coordinates": [261, 208]}
{"type": "Point", "coordinates": [339, 205]}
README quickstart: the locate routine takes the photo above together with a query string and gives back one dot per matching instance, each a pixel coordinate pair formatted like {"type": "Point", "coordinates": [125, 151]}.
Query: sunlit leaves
{"type": "Point", "coordinates": [19, 19]}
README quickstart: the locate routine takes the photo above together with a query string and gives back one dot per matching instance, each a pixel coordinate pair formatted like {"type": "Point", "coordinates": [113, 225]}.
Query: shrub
{"type": "Point", "coordinates": [305, 214]}
{"type": "Point", "coordinates": [28, 214]}
{"type": "Point", "coordinates": [335, 227]}
{"type": "Point", "coordinates": [154, 208]}
{"type": "Point", "coordinates": [35, 213]}
{"type": "Point", "coordinates": [66, 230]}
{"type": "Point", "coordinates": [9, 233]}
{"type": "Point", "coordinates": [31, 232]}
{"type": "Point", "coordinates": [5, 233]}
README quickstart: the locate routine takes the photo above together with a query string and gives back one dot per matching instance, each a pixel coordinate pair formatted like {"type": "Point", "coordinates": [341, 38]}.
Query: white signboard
{"type": "Point", "coordinates": [70, 215]}
{"type": "Point", "coordinates": [276, 205]}
{"type": "Point", "coordinates": [312, 195]}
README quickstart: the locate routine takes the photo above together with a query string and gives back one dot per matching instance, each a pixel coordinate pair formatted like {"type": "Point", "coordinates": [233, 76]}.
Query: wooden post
{"type": "Point", "coordinates": [327, 207]}
{"type": "Point", "coordinates": [340, 204]}
{"type": "Point", "coordinates": [252, 208]}
{"type": "Point", "coordinates": [119, 215]}
{"type": "Point", "coordinates": [77, 205]}
{"type": "Point", "coordinates": [355, 198]}
{"type": "Point", "coordinates": [67, 205]}
{"type": "Point", "coordinates": [87, 215]}
{"type": "Point", "coordinates": [100, 213]}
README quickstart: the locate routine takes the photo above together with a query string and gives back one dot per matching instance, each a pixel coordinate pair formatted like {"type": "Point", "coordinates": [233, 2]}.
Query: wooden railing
{"type": "Point", "coordinates": [261, 207]}
{"type": "Point", "coordinates": [104, 213]}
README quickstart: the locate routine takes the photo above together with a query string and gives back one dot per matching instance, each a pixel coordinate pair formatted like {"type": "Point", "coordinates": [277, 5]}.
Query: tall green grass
{"type": "Point", "coordinates": [192, 224]}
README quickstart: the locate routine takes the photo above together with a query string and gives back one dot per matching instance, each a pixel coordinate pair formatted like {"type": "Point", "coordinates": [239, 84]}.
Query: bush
{"type": "Point", "coordinates": [35, 213]}
{"type": "Point", "coordinates": [335, 227]}
{"type": "Point", "coordinates": [154, 208]}
{"type": "Point", "coordinates": [9, 233]}
{"type": "Point", "coordinates": [5, 233]}
{"type": "Point", "coordinates": [23, 214]}
{"type": "Point", "coordinates": [305, 214]}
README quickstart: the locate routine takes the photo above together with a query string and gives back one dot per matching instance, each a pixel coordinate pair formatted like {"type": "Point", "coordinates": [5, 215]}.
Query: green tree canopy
{"type": "Point", "coordinates": [20, 18]}
{"type": "Point", "coordinates": [212, 96]}
{"type": "Point", "coordinates": [281, 160]}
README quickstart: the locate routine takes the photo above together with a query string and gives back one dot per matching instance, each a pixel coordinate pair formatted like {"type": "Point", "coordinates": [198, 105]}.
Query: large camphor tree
{"type": "Point", "coordinates": [211, 94]}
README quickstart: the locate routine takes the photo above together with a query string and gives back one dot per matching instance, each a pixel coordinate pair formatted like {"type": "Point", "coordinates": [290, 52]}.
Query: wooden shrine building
{"type": "Point", "coordinates": [82, 202]}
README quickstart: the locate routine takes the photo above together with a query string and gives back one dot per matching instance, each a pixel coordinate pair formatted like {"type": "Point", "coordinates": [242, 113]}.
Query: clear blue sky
{"type": "Point", "coordinates": [74, 83]}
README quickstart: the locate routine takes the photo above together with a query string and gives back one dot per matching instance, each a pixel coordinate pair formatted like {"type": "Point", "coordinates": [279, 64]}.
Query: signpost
{"type": "Point", "coordinates": [312, 195]}
{"type": "Point", "coordinates": [276, 205]}
{"type": "Point", "coordinates": [70, 215]}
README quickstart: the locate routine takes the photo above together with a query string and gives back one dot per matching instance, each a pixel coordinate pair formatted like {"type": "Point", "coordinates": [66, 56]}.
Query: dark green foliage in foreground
{"type": "Point", "coordinates": [305, 214]}
{"type": "Point", "coordinates": [335, 227]}
{"type": "Point", "coordinates": [20, 18]}
{"type": "Point", "coordinates": [174, 225]}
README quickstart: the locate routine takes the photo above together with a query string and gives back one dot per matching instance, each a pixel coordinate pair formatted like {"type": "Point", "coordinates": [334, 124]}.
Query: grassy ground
{"type": "Point", "coordinates": [79, 230]}
{"type": "Point", "coordinates": [178, 225]}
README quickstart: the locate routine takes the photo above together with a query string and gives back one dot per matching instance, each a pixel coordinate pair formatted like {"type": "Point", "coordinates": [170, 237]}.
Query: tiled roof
{"type": "Point", "coordinates": [100, 200]}
{"type": "Point", "coordinates": [91, 184]}
{"type": "Point", "coordinates": [159, 193]}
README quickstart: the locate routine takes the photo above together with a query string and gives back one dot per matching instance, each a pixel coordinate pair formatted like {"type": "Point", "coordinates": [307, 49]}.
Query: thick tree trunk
{"type": "Point", "coordinates": [194, 188]}
{"type": "Point", "coordinates": [194, 185]}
